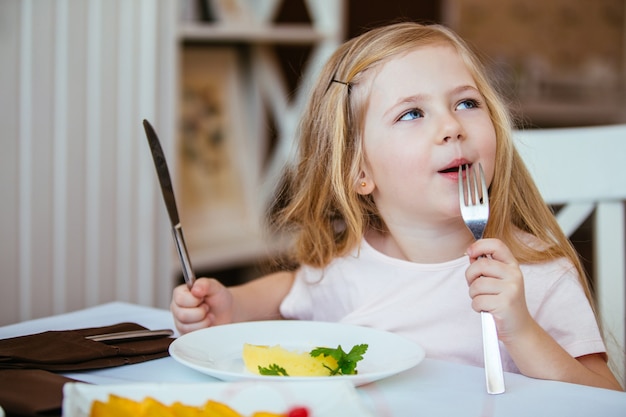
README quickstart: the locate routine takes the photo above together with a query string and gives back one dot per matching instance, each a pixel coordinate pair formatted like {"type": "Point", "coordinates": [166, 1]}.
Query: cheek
{"type": "Point", "coordinates": [396, 171]}
{"type": "Point", "coordinates": [490, 149]}
{"type": "Point", "coordinates": [394, 156]}
{"type": "Point", "coordinates": [489, 154]}
{"type": "Point", "coordinates": [392, 161]}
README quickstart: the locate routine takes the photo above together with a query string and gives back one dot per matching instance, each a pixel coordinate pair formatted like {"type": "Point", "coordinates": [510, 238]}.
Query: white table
{"type": "Point", "coordinates": [433, 388]}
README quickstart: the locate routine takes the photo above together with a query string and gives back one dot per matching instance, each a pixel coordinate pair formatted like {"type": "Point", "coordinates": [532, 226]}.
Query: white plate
{"type": "Point", "coordinates": [338, 398]}
{"type": "Point", "coordinates": [217, 351]}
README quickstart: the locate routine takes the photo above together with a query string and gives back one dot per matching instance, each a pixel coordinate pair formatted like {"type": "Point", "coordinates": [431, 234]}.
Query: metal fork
{"type": "Point", "coordinates": [475, 212]}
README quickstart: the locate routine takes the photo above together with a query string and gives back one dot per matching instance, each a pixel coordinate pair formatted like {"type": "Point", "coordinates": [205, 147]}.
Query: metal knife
{"type": "Point", "coordinates": [170, 203]}
{"type": "Point", "coordinates": [130, 335]}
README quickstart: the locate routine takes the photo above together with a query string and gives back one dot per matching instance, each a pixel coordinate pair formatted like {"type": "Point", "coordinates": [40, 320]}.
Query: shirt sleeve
{"type": "Point", "coordinates": [298, 304]}
{"type": "Point", "coordinates": [318, 294]}
{"type": "Point", "coordinates": [566, 314]}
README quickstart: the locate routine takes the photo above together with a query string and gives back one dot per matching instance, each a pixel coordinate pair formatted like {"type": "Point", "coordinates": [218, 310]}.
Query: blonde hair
{"type": "Point", "coordinates": [317, 199]}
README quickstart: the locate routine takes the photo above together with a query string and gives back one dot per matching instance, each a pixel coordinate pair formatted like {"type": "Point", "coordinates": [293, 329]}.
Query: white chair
{"type": "Point", "coordinates": [584, 169]}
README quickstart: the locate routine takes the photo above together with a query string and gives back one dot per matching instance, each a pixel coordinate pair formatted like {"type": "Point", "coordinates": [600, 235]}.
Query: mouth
{"type": "Point", "coordinates": [454, 169]}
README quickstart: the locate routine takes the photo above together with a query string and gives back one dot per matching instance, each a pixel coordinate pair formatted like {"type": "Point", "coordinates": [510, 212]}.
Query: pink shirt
{"type": "Point", "coordinates": [430, 303]}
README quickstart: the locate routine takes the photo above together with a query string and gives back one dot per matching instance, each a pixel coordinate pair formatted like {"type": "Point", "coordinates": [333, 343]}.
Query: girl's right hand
{"type": "Point", "coordinates": [208, 303]}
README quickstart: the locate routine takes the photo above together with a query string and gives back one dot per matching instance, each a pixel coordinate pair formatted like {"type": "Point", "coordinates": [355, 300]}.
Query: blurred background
{"type": "Point", "coordinates": [223, 82]}
{"type": "Point", "coordinates": [559, 64]}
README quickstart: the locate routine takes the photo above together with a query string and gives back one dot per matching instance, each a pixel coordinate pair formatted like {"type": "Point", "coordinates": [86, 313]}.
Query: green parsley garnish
{"type": "Point", "coordinates": [273, 369]}
{"type": "Point", "coordinates": [346, 362]}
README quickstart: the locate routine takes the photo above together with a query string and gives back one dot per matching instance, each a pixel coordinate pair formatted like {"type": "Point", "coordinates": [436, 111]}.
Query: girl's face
{"type": "Point", "coordinates": [425, 117]}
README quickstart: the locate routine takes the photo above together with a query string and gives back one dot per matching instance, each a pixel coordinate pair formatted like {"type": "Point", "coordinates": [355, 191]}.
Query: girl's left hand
{"type": "Point", "coordinates": [496, 285]}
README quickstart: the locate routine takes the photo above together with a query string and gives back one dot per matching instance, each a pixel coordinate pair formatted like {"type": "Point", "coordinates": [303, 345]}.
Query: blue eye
{"type": "Point", "coordinates": [411, 115]}
{"type": "Point", "coordinates": [468, 104]}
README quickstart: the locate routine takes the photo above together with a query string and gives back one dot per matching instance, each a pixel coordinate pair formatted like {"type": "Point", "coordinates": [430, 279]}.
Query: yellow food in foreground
{"type": "Point", "coordinates": [149, 407]}
{"type": "Point", "coordinates": [294, 363]}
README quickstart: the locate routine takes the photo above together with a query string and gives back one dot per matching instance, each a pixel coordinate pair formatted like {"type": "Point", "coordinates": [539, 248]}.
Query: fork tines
{"type": "Point", "coordinates": [474, 199]}
{"type": "Point", "coordinates": [475, 194]}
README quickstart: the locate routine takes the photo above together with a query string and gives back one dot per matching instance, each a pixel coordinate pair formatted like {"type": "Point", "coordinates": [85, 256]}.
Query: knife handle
{"type": "Point", "coordinates": [183, 254]}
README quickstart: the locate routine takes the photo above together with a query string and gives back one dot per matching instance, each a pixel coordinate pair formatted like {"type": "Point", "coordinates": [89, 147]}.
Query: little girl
{"type": "Point", "coordinates": [372, 204]}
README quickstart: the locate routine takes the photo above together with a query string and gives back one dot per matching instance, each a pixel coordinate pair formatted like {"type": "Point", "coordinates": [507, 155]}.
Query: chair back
{"type": "Point", "coordinates": [584, 169]}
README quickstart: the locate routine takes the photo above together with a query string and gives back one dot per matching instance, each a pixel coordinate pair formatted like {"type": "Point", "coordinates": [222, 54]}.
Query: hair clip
{"type": "Point", "coordinates": [340, 82]}
{"type": "Point", "coordinates": [349, 85]}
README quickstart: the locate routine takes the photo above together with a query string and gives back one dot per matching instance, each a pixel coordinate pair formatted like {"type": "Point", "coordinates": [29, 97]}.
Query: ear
{"type": "Point", "coordinates": [365, 184]}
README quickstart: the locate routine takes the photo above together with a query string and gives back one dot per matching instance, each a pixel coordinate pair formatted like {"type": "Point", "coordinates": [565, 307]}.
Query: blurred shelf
{"type": "Point", "coordinates": [253, 34]}
{"type": "Point", "coordinates": [223, 254]}
{"type": "Point", "coordinates": [213, 247]}
{"type": "Point", "coordinates": [552, 113]}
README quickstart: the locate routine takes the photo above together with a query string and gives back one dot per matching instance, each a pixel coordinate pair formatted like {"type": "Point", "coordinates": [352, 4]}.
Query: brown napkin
{"type": "Point", "coordinates": [28, 386]}
{"type": "Point", "coordinates": [31, 392]}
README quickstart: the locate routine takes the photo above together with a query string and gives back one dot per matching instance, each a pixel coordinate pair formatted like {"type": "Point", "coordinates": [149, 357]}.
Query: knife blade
{"type": "Point", "coordinates": [167, 190]}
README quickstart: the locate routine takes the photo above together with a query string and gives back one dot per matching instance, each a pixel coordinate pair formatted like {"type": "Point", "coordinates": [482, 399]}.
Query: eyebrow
{"type": "Point", "coordinates": [464, 88]}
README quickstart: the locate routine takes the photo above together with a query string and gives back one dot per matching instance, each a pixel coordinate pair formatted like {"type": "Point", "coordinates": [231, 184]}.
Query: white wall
{"type": "Point", "coordinates": [81, 218]}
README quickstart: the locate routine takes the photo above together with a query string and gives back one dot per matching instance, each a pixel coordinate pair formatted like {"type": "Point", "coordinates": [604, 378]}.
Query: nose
{"type": "Point", "coordinates": [458, 137]}
{"type": "Point", "coordinates": [451, 128]}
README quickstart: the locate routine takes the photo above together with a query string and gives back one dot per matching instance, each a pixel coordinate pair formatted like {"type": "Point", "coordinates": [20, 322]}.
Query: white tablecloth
{"type": "Point", "coordinates": [433, 388]}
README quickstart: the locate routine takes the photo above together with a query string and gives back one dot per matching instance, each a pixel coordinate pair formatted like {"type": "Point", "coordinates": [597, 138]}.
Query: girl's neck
{"type": "Point", "coordinates": [421, 248]}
